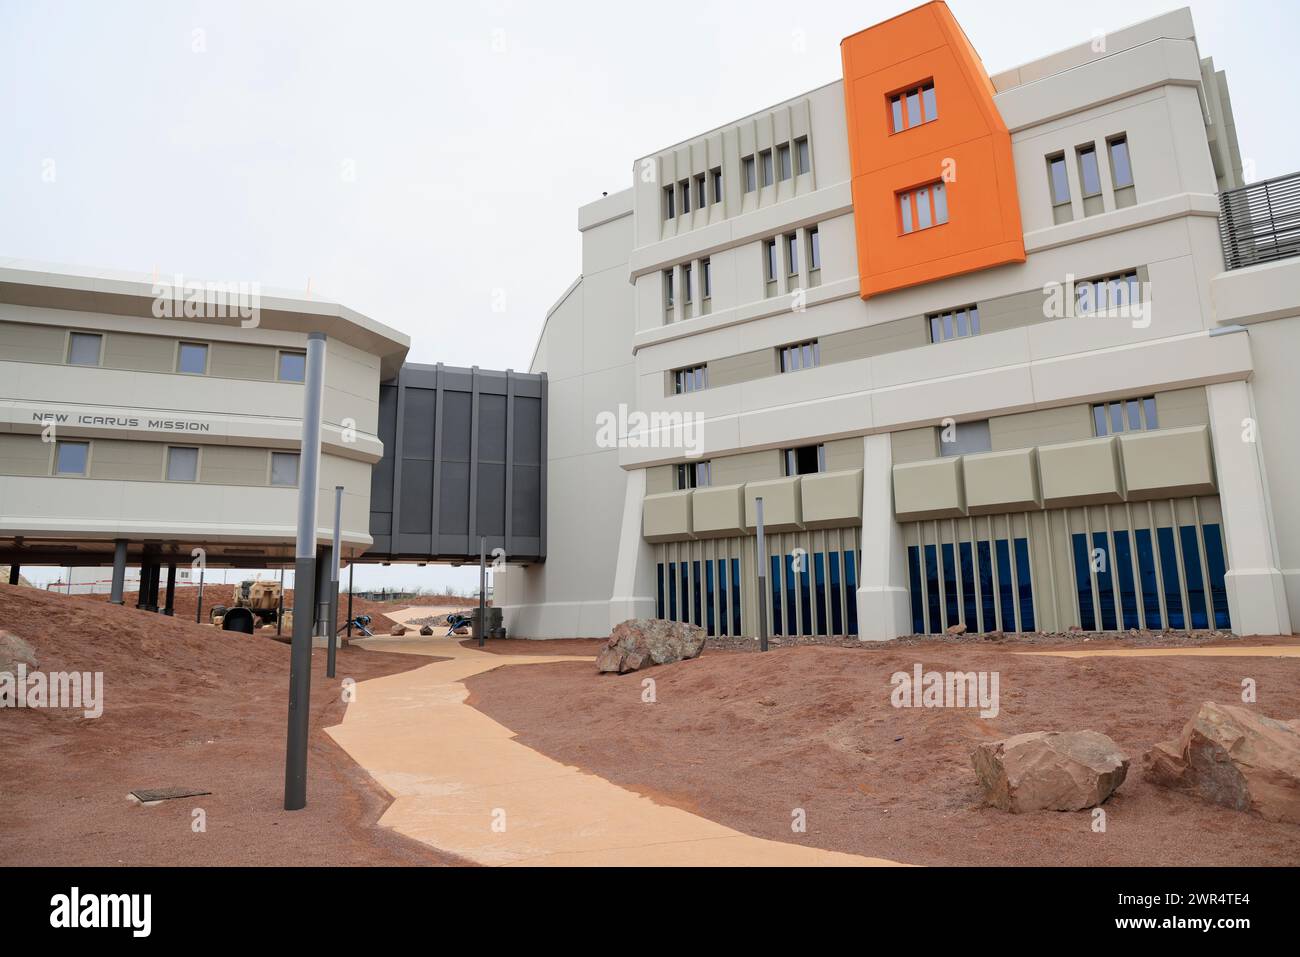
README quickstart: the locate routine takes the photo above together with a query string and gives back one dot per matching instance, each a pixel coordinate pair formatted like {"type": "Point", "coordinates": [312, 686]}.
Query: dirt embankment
{"type": "Point", "coordinates": [184, 706]}
{"type": "Point", "coordinates": [748, 740]}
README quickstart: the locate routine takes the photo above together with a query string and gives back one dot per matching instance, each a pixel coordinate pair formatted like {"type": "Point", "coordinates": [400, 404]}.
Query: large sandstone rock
{"type": "Point", "coordinates": [1049, 770]}
{"type": "Point", "coordinates": [641, 642]}
{"type": "Point", "coordinates": [1235, 757]}
{"type": "Point", "coordinates": [397, 630]}
{"type": "Point", "coordinates": [15, 651]}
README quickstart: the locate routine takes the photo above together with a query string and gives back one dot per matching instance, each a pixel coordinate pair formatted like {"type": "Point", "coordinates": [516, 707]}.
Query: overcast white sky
{"type": "Point", "coordinates": [409, 159]}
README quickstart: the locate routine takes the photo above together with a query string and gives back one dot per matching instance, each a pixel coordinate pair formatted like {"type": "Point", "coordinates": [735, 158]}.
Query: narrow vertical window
{"type": "Point", "coordinates": [792, 251]}
{"type": "Point", "coordinates": [783, 167]}
{"type": "Point", "coordinates": [814, 250]}
{"type": "Point", "coordinates": [684, 190]}
{"type": "Point", "coordinates": [670, 203]}
{"type": "Point", "coordinates": [801, 157]}
{"type": "Point", "coordinates": [701, 192]}
{"type": "Point", "coordinates": [717, 184]}
{"type": "Point", "coordinates": [747, 165]}
{"type": "Point", "coordinates": [1058, 180]}
{"type": "Point", "coordinates": [1120, 169]}
{"type": "Point", "coordinates": [706, 278]}
{"type": "Point", "coordinates": [668, 288]}
{"type": "Point", "coordinates": [765, 158]}
{"type": "Point", "coordinates": [769, 255]}
{"type": "Point", "coordinates": [1089, 178]}
{"type": "Point", "coordinates": [686, 282]}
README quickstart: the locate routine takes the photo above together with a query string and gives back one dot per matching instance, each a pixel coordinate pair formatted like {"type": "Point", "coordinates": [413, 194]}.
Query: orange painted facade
{"type": "Point", "coordinates": [966, 146]}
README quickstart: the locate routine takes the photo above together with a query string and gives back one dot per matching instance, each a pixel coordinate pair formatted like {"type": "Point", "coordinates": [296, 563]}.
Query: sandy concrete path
{"type": "Point", "coordinates": [463, 784]}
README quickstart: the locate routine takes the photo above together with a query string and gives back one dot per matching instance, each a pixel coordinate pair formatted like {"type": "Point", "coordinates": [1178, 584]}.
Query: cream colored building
{"type": "Point", "coordinates": [171, 433]}
{"type": "Point", "coordinates": [990, 445]}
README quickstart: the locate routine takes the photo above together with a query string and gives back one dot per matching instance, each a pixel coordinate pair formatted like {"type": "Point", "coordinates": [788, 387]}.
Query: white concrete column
{"type": "Point", "coordinates": [883, 598]}
{"type": "Point", "coordinates": [1255, 586]}
{"type": "Point", "coordinates": [801, 242]}
{"type": "Point", "coordinates": [634, 584]}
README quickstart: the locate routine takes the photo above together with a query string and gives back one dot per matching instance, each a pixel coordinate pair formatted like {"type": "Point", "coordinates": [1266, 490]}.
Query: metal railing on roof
{"type": "Point", "coordinates": [1260, 223]}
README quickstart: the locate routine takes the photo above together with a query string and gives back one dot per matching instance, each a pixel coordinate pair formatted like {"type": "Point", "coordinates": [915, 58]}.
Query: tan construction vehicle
{"type": "Point", "coordinates": [255, 600]}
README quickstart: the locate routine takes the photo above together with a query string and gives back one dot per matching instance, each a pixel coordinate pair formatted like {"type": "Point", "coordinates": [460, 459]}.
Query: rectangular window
{"type": "Point", "coordinates": [684, 191]}
{"type": "Point", "coordinates": [965, 438]}
{"type": "Point", "coordinates": [955, 324]}
{"type": "Point", "coordinates": [923, 207]}
{"type": "Point", "coordinates": [1121, 170]}
{"type": "Point", "coordinates": [670, 202]}
{"type": "Point", "coordinates": [701, 192]}
{"type": "Point", "coordinates": [765, 162]}
{"type": "Point", "coordinates": [801, 355]}
{"type": "Point", "coordinates": [1093, 296]}
{"type": "Point", "coordinates": [706, 278]}
{"type": "Point", "coordinates": [769, 256]}
{"type": "Point", "coordinates": [192, 358]}
{"type": "Point", "coordinates": [1089, 178]}
{"type": "Point", "coordinates": [1125, 415]}
{"type": "Point", "coordinates": [749, 174]}
{"type": "Point", "coordinates": [693, 475]}
{"type": "Point", "coordinates": [71, 458]}
{"type": "Point", "coordinates": [84, 348]}
{"type": "Point", "coordinates": [1059, 180]}
{"type": "Point", "coordinates": [912, 107]}
{"type": "Point", "coordinates": [292, 367]}
{"type": "Point", "coordinates": [783, 165]}
{"type": "Point", "coordinates": [691, 379]}
{"type": "Point", "coordinates": [814, 249]}
{"type": "Point", "coordinates": [802, 159]}
{"type": "Point", "coordinates": [805, 460]}
{"type": "Point", "coordinates": [668, 288]}
{"type": "Point", "coordinates": [182, 464]}
{"type": "Point", "coordinates": [792, 253]}
{"type": "Point", "coordinates": [717, 184]}
{"type": "Point", "coordinates": [686, 282]}
{"type": "Point", "coordinates": [284, 468]}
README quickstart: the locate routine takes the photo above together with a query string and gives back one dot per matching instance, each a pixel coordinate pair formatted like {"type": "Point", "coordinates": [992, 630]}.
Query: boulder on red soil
{"type": "Point", "coordinates": [957, 629]}
{"type": "Point", "coordinates": [641, 642]}
{"type": "Point", "coordinates": [1049, 770]}
{"type": "Point", "coordinates": [426, 631]}
{"type": "Point", "coordinates": [15, 651]}
{"type": "Point", "coordinates": [397, 630]}
{"type": "Point", "coordinates": [1234, 757]}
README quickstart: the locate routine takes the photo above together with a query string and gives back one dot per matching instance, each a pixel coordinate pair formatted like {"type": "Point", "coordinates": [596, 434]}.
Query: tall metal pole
{"type": "Point", "coordinates": [351, 565]}
{"type": "Point", "coordinates": [482, 590]}
{"type": "Point", "coordinates": [198, 610]}
{"type": "Point", "coordinates": [119, 573]}
{"type": "Point", "coordinates": [304, 579]}
{"type": "Point", "coordinates": [762, 575]}
{"type": "Point", "coordinates": [279, 614]}
{"type": "Point", "coordinates": [332, 644]}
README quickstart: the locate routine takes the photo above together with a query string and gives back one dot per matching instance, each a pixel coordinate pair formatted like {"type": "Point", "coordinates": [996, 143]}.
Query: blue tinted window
{"type": "Point", "coordinates": [1147, 578]}
{"type": "Point", "coordinates": [932, 586]}
{"type": "Point", "coordinates": [1105, 590]}
{"type": "Point", "coordinates": [775, 572]}
{"type": "Point", "coordinates": [950, 584]}
{"type": "Point", "coordinates": [1169, 570]}
{"type": "Point", "coordinates": [1006, 587]}
{"type": "Point", "coordinates": [1195, 583]}
{"type": "Point", "coordinates": [971, 609]}
{"type": "Point", "coordinates": [914, 582]}
{"type": "Point", "coordinates": [985, 554]}
{"type": "Point", "coordinates": [1126, 588]}
{"type": "Point", "coordinates": [695, 577]}
{"type": "Point", "coordinates": [819, 566]}
{"type": "Point", "coordinates": [683, 604]}
{"type": "Point", "coordinates": [805, 597]}
{"type": "Point", "coordinates": [659, 603]}
{"type": "Point", "coordinates": [837, 595]}
{"type": "Point", "coordinates": [722, 596]}
{"type": "Point", "coordinates": [735, 596]}
{"type": "Point", "coordinates": [1083, 581]}
{"type": "Point", "coordinates": [1025, 587]}
{"type": "Point", "coordinates": [711, 597]}
{"type": "Point", "coordinates": [1214, 561]}
{"type": "Point", "coordinates": [672, 591]}
{"type": "Point", "coordinates": [851, 589]}
{"type": "Point", "coordinates": [791, 602]}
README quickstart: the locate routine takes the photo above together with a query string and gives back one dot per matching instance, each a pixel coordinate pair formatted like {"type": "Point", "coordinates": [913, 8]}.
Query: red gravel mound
{"type": "Point", "coordinates": [184, 706]}
{"type": "Point", "coordinates": [745, 739]}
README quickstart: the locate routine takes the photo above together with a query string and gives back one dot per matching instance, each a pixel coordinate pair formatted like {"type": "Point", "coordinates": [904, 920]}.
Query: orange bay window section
{"type": "Point", "coordinates": [915, 166]}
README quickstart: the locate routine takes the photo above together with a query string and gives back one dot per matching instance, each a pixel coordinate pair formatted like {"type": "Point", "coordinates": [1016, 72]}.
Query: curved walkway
{"type": "Point", "coordinates": [461, 783]}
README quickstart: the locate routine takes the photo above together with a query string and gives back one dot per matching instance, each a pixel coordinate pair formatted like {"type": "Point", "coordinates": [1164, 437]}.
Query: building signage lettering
{"type": "Point", "coordinates": [122, 422]}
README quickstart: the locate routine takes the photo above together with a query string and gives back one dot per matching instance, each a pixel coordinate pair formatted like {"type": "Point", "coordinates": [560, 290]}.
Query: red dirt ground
{"type": "Point", "coordinates": [745, 739]}
{"type": "Point", "coordinates": [184, 706]}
